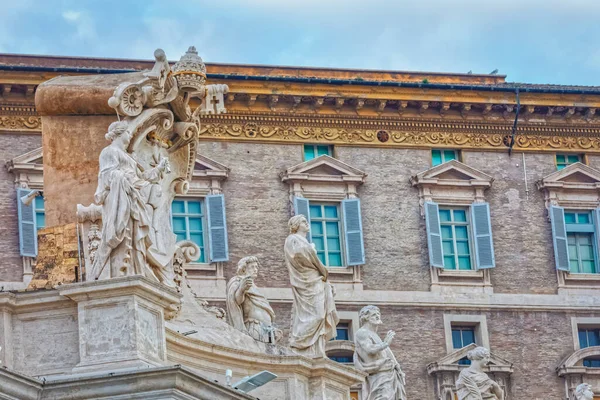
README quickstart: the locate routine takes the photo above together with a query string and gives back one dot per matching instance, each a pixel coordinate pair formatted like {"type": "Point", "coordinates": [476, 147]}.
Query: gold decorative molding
{"type": "Point", "coordinates": [29, 123]}
{"type": "Point", "coordinates": [400, 133]}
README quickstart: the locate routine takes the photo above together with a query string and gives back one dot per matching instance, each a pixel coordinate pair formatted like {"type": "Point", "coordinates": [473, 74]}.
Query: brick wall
{"type": "Point", "coordinates": [13, 145]}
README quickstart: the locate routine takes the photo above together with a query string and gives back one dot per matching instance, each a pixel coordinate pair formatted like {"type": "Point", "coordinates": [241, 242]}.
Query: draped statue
{"type": "Point", "coordinates": [473, 383]}
{"type": "Point", "coordinates": [247, 309]}
{"type": "Point", "coordinates": [583, 392]}
{"type": "Point", "coordinates": [374, 356]}
{"type": "Point", "coordinates": [127, 193]}
{"type": "Point", "coordinates": [314, 316]}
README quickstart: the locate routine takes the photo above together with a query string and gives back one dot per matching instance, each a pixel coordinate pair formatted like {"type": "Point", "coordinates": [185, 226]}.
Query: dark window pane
{"type": "Point", "coordinates": [468, 337]}
{"type": "Point", "coordinates": [456, 339]}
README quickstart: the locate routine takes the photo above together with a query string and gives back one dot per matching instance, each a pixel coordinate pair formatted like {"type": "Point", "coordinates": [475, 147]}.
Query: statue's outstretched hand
{"type": "Point", "coordinates": [389, 337]}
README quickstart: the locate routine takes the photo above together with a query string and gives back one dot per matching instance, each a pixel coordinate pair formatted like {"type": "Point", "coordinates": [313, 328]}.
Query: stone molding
{"type": "Point", "coordinates": [575, 186]}
{"type": "Point", "coordinates": [479, 322]}
{"type": "Point", "coordinates": [160, 383]}
{"type": "Point", "coordinates": [400, 133]}
{"type": "Point", "coordinates": [467, 300]}
{"type": "Point", "coordinates": [573, 372]}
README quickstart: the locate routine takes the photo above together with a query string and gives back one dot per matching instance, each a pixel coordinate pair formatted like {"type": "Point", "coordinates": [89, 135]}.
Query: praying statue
{"type": "Point", "coordinates": [126, 192]}
{"type": "Point", "coordinates": [314, 316]}
{"type": "Point", "coordinates": [247, 309]}
{"type": "Point", "coordinates": [473, 383]}
{"type": "Point", "coordinates": [583, 392]}
{"type": "Point", "coordinates": [374, 356]}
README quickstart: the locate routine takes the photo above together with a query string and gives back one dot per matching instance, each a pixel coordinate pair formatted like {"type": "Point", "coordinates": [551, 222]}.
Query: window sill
{"type": "Point", "coordinates": [443, 280]}
{"type": "Point", "coordinates": [195, 266]}
{"type": "Point", "coordinates": [340, 270]}
{"type": "Point", "coordinates": [568, 281]}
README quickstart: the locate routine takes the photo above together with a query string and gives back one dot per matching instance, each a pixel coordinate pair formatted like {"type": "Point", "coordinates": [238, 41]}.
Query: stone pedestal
{"type": "Point", "coordinates": [121, 322]}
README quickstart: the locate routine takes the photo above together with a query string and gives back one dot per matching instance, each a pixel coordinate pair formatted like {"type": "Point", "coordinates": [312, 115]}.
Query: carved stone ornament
{"type": "Point", "coordinates": [451, 183]}
{"type": "Point", "coordinates": [385, 381]}
{"type": "Point", "coordinates": [446, 372]}
{"type": "Point", "coordinates": [248, 310]}
{"type": "Point", "coordinates": [150, 159]}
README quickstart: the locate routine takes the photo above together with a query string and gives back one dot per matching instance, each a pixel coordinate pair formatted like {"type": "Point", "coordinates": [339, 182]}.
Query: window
{"type": "Point", "coordinates": [187, 217]}
{"type": "Point", "coordinates": [441, 156]}
{"type": "Point", "coordinates": [580, 239]}
{"type": "Point", "coordinates": [454, 226]}
{"type": "Point", "coordinates": [589, 337]}
{"type": "Point", "coordinates": [463, 336]}
{"type": "Point", "coordinates": [40, 214]}
{"type": "Point", "coordinates": [315, 150]}
{"type": "Point", "coordinates": [343, 331]}
{"type": "Point", "coordinates": [325, 233]}
{"type": "Point", "coordinates": [564, 160]}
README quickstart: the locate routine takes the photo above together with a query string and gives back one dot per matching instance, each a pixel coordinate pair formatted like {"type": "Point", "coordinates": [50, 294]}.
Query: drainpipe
{"type": "Point", "coordinates": [514, 128]}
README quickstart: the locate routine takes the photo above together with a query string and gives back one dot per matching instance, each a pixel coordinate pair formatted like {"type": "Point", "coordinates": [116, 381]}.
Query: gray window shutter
{"type": "Point", "coordinates": [301, 207]}
{"type": "Point", "coordinates": [482, 235]}
{"type": "Point", "coordinates": [27, 226]}
{"type": "Point", "coordinates": [217, 228]}
{"type": "Point", "coordinates": [434, 234]}
{"type": "Point", "coordinates": [559, 237]}
{"type": "Point", "coordinates": [355, 247]}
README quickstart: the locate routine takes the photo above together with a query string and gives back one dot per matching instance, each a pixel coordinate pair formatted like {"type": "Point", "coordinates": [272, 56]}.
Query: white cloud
{"type": "Point", "coordinates": [71, 16]}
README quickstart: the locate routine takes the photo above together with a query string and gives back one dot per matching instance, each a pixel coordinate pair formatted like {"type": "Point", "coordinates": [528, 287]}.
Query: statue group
{"type": "Point", "coordinates": [135, 190]}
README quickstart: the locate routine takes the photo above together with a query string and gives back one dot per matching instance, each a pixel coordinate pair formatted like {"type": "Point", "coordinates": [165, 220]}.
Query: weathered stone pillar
{"type": "Point", "coordinates": [121, 322]}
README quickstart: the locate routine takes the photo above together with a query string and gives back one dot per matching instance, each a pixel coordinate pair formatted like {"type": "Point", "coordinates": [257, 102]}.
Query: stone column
{"type": "Point", "coordinates": [121, 322]}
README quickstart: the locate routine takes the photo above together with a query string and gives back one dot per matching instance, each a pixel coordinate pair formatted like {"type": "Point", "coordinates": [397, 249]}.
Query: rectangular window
{"type": "Point", "coordinates": [589, 337]}
{"type": "Point", "coordinates": [343, 331]}
{"type": "Point", "coordinates": [456, 247]}
{"type": "Point", "coordinates": [187, 218]}
{"type": "Point", "coordinates": [325, 231]}
{"type": "Point", "coordinates": [563, 160]}
{"type": "Point", "coordinates": [581, 239]}
{"type": "Point", "coordinates": [463, 336]}
{"type": "Point", "coordinates": [315, 150]}
{"type": "Point", "coordinates": [40, 214]}
{"type": "Point", "coordinates": [441, 156]}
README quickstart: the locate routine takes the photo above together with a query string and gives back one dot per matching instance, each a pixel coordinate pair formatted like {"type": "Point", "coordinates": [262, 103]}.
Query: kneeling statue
{"type": "Point", "coordinates": [247, 309]}
{"type": "Point", "coordinates": [473, 383]}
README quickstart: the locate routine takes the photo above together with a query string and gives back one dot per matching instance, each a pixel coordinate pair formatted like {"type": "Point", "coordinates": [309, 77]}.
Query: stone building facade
{"type": "Point", "coordinates": [471, 189]}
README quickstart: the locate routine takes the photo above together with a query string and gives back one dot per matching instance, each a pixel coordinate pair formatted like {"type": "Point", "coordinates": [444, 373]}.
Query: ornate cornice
{"type": "Point", "coordinates": [30, 123]}
{"type": "Point", "coordinates": [399, 133]}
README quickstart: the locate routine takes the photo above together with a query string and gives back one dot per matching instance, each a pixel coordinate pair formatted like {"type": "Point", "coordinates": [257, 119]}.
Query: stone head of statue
{"type": "Point", "coordinates": [370, 314]}
{"type": "Point", "coordinates": [584, 392]}
{"type": "Point", "coordinates": [298, 224]}
{"type": "Point", "coordinates": [118, 129]}
{"type": "Point", "coordinates": [479, 355]}
{"type": "Point", "coordinates": [248, 266]}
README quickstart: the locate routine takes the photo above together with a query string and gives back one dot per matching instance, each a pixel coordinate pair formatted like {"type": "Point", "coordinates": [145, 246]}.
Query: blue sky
{"type": "Point", "coordinates": [536, 41]}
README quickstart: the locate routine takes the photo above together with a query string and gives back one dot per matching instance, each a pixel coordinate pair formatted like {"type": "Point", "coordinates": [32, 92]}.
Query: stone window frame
{"type": "Point", "coordinates": [205, 181]}
{"type": "Point", "coordinates": [347, 346]}
{"type": "Point", "coordinates": [575, 196]}
{"type": "Point", "coordinates": [454, 192]}
{"type": "Point", "coordinates": [28, 174]}
{"type": "Point", "coordinates": [479, 322]}
{"type": "Point", "coordinates": [576, 322]}
{"type": "Point", "coordinates": [338, 182]}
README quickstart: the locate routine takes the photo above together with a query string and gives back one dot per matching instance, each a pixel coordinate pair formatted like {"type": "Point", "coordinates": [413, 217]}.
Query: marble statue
{"type": "Point", "coordinates": [126, 191]}
{"type": "Point", "coordinates": [583, 392]}
{"type": "Point", "coordinates": [374, 356]}
{"type": "Point", "coordinates": [473, 383]}
{"type": "Point", "coordinates": [247, 309]}
{"type": "Point", "coordinates": [314, 316]}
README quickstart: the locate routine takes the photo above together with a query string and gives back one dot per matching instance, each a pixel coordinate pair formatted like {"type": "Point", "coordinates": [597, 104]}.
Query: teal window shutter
{"type": "Point", "coordinates": [301, 207]}
{"type": "Point", "coordinates": [434, 234]}
{"type": "Point", "coordinates": [355, 247]}
{"type": "Point", "coordinates": [482, 236]}
{"type": "Point", "coordinates": [559, 238]}
{"type": "Point", "coordinates": [217, 228]}
{"type": "Point", "coordinates": [27, 225]}
{"type": "Point", "coordinates": [596, 222]}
